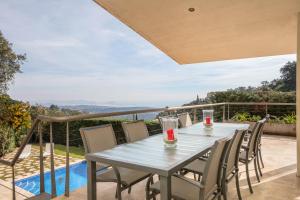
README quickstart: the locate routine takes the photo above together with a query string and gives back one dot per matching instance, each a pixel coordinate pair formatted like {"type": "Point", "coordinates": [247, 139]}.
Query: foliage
{"type": "Point", "coordinates": [246, 117]}
{"type": "Point", "coordinates": [14, 113]}
{"type": "Point", "coordinates": [10, 63]}
{"type": "Point", "coordinates": [6, 138]}
{"type": "Point", "coordinates": [250, 95]}
{"type": "Point", "coordinates": [243, 117]}
{"type": "Point", "coordinates": [287, 80]}
{"type": "Point", "coordinates": [289, 119]}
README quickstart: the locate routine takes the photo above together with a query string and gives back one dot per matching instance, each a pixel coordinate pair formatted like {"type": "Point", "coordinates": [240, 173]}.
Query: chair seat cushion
{"type": "Point", "coordinates": [181, 189]}
{"type": "Point", "coordinates": [197, 166]}
{"type": "Point", "coordinates": [128, 176]}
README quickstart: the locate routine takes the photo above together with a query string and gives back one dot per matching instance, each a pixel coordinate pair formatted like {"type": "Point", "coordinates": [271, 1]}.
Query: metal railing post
{"type": "Point", "coordinates": [42, 177]}
{"type": "Point", "coordinates": [224, 110]}
{"type": "Point", "coordinates": [266, 109]}
{"type": "Point", "coordinates": [195, 116]}
{"type": "Point", "coordinates": [67, 183]}
{"type": "Point", "coordinates": [13, 183]}
{"type": "Point", "coordinates": [228, 112]}
{"type": "Point", "coordinates": [53, 183]}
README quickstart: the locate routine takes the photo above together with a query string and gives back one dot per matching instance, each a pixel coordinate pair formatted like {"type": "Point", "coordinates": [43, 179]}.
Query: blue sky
{"type": "Point", "coordinates": [79, 53]}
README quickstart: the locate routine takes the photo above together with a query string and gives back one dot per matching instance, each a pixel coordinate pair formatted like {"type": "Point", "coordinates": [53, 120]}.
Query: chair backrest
{"type": "Point", "coordinates": [134, 131]}
{"type": "Point", "coordinates": [233, 151]}
{"type": "Point", "coordinates": [212, 172]}
{"type": "Point", "coordinates": [184, 120]}
{"type": "Point", "coordinates": [260, 132]}
{"type": "Point", "coordinates": [253, 137]}
{"type": "Point", "coordinates": [48, 147]}
{"type": "Point", "coordinates": [98, 138]}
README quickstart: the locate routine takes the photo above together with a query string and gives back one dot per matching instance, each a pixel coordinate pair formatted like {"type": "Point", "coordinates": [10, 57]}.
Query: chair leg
{"type": "Point", "coordinates": [129, 190]}
{"type": "Point", "coordinates": [224, 191]}
{"type": "Point", "coordinates": [195, 178]}
{"type": "Point", "coordinates": [258, 166]}
{"type": "Point", "coordinates": [255, 168]}
{"type": "Point", "coordinates": [248, 177]}
{"type": "Point", "coordinates": [237, 183]}
{"type": "Point", "coordinates": [118, 192]}
{"type": "Point", "coordinates": [260, 157]}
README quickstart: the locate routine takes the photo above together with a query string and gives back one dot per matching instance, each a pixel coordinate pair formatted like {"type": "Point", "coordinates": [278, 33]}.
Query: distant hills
{"type": "Point", "coordinates": [105, 109]}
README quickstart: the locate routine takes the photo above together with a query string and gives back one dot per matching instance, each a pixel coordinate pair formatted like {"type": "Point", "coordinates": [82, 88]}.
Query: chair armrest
{"type": "Point", "coordinates": [195, 183]}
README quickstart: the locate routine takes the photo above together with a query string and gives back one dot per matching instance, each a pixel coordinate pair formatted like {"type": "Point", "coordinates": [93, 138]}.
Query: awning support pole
{"type": "Point", "coordinates": [298, 96]}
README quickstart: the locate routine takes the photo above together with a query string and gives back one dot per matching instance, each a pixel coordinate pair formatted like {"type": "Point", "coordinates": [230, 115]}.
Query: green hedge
{"type": "Point", "coordinates": [59, 130]}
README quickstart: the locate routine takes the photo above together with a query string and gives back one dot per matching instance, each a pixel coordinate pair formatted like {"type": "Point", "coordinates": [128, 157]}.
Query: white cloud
{"type": "Point", "coordinates": [77, 51]}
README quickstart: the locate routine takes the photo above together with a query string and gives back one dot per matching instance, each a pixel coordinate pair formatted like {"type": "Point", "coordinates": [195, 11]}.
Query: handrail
{"type": "Point", "coordinates": [95, 115]}
{"type": "Point", "coordinates": [261, 103]}
{"type": "Point", "coordinates": [112, 114]}
{"type": "Point", "coordinates": [166, 109]}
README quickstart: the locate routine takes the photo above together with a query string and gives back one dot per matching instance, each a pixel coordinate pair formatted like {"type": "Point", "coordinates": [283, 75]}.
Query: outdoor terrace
{"type": "Point", "coordinates": [278, 152]}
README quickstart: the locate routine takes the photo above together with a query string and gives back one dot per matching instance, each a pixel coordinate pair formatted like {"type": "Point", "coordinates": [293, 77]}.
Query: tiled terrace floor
{"type": "Point", "coordinates": [279, 181]}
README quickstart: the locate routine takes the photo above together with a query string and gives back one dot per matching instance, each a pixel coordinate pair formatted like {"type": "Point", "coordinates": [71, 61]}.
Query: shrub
{"type": "Point", "coordinates": [289, 119]}
{"type": "Point", "coordinates": [243, 117]}
{"type": "Point", "coordinates": [7, 139]}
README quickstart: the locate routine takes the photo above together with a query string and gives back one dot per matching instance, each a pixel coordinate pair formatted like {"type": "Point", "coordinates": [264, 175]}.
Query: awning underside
{"type": "Point", "coordinates": [215, 30]}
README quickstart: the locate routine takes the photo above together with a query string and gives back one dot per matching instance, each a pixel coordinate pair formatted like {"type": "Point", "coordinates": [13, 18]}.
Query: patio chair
{"type": "Point", "coordinates": [101, 138]}
{"type": "Point", "coordinates": [184, 120]}
{"type": "Point", "coordinates": [249, 152]}
{"type": "Point", "coordinates": [48, 150]}
{"type": "Point", "coordinates": [26, 152]}
{"type": "Point", "coordinates": [258, 145]}
{"type": "Point", "coordinates": [230, 165]}
{"type": "Point", "coordinates": [134, 131]}
{"type": "Point", "coordinates": [208, 188]}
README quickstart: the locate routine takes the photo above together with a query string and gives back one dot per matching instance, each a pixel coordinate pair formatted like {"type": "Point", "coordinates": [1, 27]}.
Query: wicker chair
{"type": "Point", "coordinates": [134, 131]}
{"type": "Point", "coordinates": [184, 120]}
{"type": "Point", "coordinates": [185, 188]}
{"type": "Point", "coordinates": [101, 138]}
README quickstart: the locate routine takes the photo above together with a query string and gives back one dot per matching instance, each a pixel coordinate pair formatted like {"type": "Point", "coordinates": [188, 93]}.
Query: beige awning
{"type": "Point", "coordinates": [215, 30]}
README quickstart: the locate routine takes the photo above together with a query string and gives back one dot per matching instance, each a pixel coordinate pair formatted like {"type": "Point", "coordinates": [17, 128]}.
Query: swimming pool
{"type": "Point", "coordinates": [78, 178]}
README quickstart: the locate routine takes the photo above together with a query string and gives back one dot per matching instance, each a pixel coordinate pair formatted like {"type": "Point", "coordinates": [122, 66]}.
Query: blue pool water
{"type": "Point", "coordinates": [78, 178]}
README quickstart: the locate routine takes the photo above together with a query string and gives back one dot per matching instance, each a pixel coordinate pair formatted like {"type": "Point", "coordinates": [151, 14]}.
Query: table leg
{"type": "Point", "coordinates": [165, 187]}
{"type": "Point", "coordinates": [91, 187]}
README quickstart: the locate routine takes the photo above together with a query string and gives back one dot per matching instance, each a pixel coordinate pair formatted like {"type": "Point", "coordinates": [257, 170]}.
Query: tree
{"type": "Point", "coordinates": [10, 63]}
{"type": "Point", "coordinates": [288, 76]}
{"type": "Point", "coordinates": [286, 82]}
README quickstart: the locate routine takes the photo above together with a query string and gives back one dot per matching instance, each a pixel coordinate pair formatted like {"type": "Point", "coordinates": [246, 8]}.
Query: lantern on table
{"type": "Point", "coordinates": [170, 131]}
{"type": "Point", "coordinates": [208, 118]}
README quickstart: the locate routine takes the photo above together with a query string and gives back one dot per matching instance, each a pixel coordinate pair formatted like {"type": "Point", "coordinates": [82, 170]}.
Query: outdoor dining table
{"type": "Point", "coordinates": [151, 156]}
